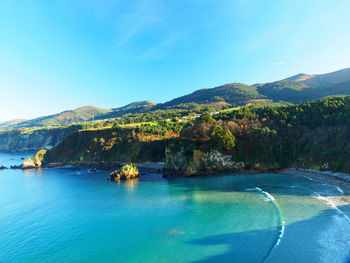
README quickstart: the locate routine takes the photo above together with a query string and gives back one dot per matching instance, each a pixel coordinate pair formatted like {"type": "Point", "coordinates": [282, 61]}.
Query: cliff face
{"type": "Point", "coordinates": [105, 146]}
{"type": "Point", "coordinates": [19, 141]}
{"type": "Point", "coordinates": [200, 162]}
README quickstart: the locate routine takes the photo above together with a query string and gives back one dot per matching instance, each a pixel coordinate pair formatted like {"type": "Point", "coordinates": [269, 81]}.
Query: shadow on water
{"type": "Point", "coordinates": [324, 237]}
{"type": "Point", "coordinates": [273, 183]}
{"type": "Point", "coordinates": [301, 243]}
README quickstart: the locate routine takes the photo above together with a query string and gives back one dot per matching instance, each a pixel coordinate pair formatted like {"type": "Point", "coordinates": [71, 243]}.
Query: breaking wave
{"type": "Point", "coordinates": [282, 223]}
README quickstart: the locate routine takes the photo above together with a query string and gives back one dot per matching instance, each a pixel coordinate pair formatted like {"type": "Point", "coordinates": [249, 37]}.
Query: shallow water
{"type": "Point", "coordinates": [71, 215]}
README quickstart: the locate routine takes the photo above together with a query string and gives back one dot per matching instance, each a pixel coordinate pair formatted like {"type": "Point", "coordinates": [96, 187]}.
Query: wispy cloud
{"type": "Point", "coordinates": [158, 51]}
{"type": "Point", "coordinates": [142, 28]}
{"type": "Point", "coordinates": [280, 63]}
{"type": "Point", "coordinates": [142, 16]}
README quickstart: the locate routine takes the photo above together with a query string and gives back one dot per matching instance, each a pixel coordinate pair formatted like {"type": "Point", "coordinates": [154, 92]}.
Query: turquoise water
{"type": "Point", "coordinates": [71, 215]}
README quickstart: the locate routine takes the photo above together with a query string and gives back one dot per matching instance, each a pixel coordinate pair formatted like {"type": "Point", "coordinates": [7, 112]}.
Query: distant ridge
{"type": "Point", "coordinates": [299, 88]}
{"type": "Point", "coordinates": [232, 93]}
{"type": "Point", "coordinates": [6, 124]}
{"type": "Point", "coordinates": [63, 118]}
{"type": "Point", "coordinates": [301, 77]}
{"type": "Point", "coordinates": [137, 104]}
{"type": "Point", "coordinates": [328, 78]}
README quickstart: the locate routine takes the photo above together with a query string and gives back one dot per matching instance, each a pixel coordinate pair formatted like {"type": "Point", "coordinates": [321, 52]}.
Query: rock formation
{"type": "Point", "coordinates": [200, 162]}
{"type": "Point", "coordinates": [34, 162]}
{"type": "Point", "coordinates": [128, 171]}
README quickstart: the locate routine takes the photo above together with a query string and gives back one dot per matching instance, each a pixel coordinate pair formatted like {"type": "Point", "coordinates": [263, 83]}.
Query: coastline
{"type": "Point", "coordinates": [339, 180]}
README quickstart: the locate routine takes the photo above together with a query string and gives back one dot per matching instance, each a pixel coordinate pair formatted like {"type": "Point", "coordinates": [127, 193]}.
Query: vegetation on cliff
{"type": "Point", "coordinates": [311, 135]}
{"type": "Point", "coordinates": [109, 146]}
{"type": "Point", "coordinates": [34, 162]}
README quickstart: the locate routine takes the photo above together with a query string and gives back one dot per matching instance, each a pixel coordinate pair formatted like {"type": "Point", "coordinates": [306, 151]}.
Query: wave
{"type": "Point", "coordinates": [251, 189]}
{"type": "Point", "coordinates": [331, 204]}
{"type": "Point", "coordinates": [323, 183]}
{"type": "Point", "coordinates": [339, 190]}
{"type": "Point", "coordinates": [282, 223]}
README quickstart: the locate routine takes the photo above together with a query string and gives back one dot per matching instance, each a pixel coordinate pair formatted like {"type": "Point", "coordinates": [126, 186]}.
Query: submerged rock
{"type": "Point", "coordinates": [128, 171]}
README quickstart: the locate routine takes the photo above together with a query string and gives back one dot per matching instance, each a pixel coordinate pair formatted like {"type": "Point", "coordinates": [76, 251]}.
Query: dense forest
{"type": "Point", "coordinates": [311, 135]}
{"type": "Point", "coordinates": [314, 135]}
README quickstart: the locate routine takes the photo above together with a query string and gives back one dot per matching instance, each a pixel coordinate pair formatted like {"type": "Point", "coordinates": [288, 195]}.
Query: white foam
{"type": "Point", "coordinates": [283, 226]}
{"type": "Point", "coordinates": [336, 187]}
{"type": "Point", "coordinates": [331, 204]}
{"type": "Point", "coordinates": [282, 223]}
{"type": "Point", "coordinates": [268, 196]}
{"type": "Point", "coordinates": [339, 190]}
{"type": "Point", "coordinates": [251, 189]}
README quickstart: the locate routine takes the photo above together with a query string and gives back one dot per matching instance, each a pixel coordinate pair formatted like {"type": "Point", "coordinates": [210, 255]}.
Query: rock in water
{"type": "Point", "coordinates": [34, 162]}
{"type": "Point", "coordinates": [128, 171]}
{"type": "Point", "coordinates": [2, 167]}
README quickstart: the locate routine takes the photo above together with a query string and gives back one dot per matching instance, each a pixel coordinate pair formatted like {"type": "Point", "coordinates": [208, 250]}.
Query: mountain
{"type": "Point", "coordinates": [307, 87]}
{"type": "Point", "coordinates": [295, 89]}
{"type": "Point", "coordinates": [134, 107]}
{"type": "Point", "coordinates": [81, 114]}
{"type": "Point", "coordinates": [6, 124]}
{"type": "Point", "coordinates": [326, 79]}
{"type": "Point", "coordinates": [301, 77]}
{"type": "Point", "coordinates": [233, 94]}
{"type": "Point", "coordinates": [299, 88]}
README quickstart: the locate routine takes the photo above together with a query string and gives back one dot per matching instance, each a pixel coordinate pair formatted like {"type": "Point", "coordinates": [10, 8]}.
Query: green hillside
{"type": "Point", "coordinates": [233, 94]}
{"type": "Point", "coordinates": [81, 114]}
{"type": "Point", "coordinates": [296, 89]}
{"type": "Point", "coordinates": [8, 124]}
{"type": "Point", "coordinates": [328, 78]}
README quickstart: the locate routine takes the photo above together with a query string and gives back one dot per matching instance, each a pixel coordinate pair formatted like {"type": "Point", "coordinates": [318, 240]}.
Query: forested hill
{"type": "Point", "coordinates": [297, 89]}
{"type": "Point", "coordinates": [81, 114]}
{"type": "Point", "coordinates": [307, 87]}
{"type": "Point", "coordinates": [233, 94]}
{"type": "Point", "coordinates": [311, 135]}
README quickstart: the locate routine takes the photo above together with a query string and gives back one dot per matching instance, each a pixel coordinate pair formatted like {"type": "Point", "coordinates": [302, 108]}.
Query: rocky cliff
{"type": "Point", "coordinates": [20, 141]}
{"type": "Point", "coordinates": [200, 162]}
{"type": "Point", "coordinates": [107, 146]}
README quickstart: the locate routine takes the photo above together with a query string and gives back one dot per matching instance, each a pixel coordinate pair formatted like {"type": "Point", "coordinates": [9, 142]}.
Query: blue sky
{"type": "Point", "coordinates": [62, 54]}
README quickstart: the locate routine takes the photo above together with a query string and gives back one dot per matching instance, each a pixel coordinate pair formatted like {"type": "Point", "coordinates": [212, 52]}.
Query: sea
{"type": "Point", "coordinates": [73, 214]}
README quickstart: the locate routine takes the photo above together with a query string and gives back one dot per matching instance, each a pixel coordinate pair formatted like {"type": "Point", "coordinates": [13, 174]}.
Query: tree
{"type": "Point", "coordinates": [205, 118]}
{"type": "Point", "coordinates": [222, 138]}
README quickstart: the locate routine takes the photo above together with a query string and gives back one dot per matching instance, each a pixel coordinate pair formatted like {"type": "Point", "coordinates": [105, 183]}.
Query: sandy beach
{"type": "Point", "coordinates": [341, 180]}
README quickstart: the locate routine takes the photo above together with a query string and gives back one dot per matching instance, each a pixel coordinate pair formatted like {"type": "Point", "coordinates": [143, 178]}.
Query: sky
{"type": "Point", "coordinates": [62, 54]}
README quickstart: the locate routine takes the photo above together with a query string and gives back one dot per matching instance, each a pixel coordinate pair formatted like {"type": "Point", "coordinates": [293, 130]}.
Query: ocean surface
{"type": "Point", "coordinates": [72, 215]}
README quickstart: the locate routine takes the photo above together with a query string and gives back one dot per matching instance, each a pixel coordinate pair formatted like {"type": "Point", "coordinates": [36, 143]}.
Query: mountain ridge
{"type": "Point", "coordinates": [298, 88]}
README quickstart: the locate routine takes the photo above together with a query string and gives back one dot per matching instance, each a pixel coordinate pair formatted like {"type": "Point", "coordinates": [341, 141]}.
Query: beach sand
{"type": "Point", "coordinates": [341, 180]}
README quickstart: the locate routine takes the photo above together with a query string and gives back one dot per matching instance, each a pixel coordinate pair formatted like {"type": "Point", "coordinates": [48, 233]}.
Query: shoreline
{"type": "Point", "coordinates": [337, 179]}
{"type": "Point", "coordinates": [340, 180]}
